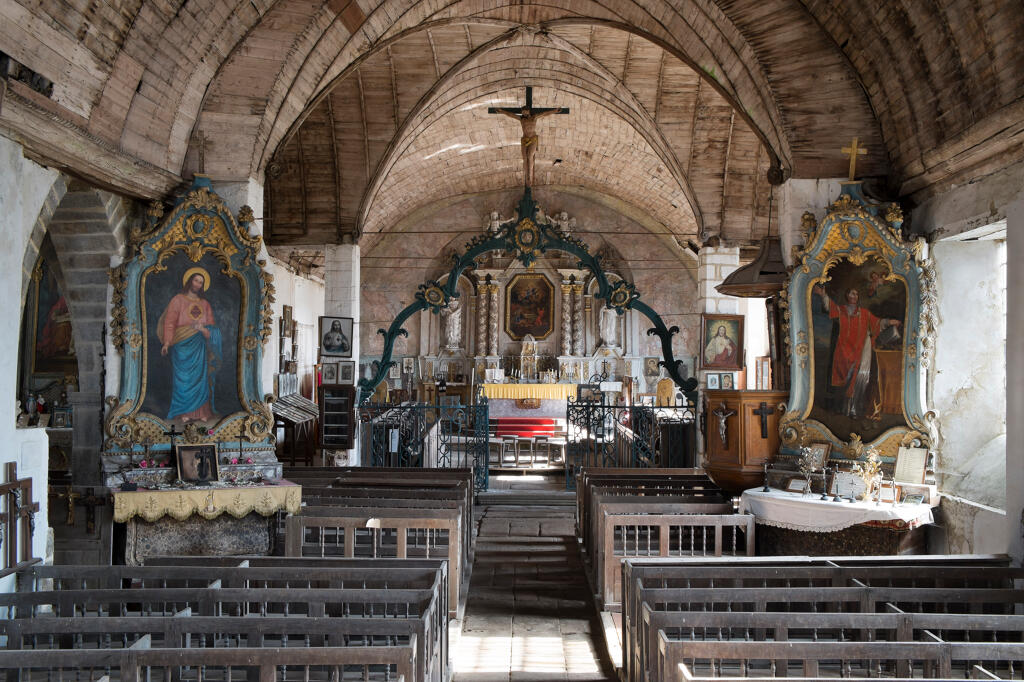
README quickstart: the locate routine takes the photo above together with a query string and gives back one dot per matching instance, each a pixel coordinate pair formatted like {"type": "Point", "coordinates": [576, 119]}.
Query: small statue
{"type": "Point", "coordinates": [493, 222]}
{"type": "Point", "coordinates": [565, 224]}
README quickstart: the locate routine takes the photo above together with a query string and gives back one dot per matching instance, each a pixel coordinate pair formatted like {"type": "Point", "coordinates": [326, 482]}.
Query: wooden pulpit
{"type": "Point", "coordinates": [741, 434]}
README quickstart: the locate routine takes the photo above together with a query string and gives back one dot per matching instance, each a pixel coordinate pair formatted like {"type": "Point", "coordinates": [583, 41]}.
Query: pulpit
{"type": "Point", "coordinates": [741, 434]}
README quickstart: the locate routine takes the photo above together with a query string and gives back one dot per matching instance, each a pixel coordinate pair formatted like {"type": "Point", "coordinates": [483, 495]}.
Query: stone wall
{"type": "Point", "coordinates": [26, 189]}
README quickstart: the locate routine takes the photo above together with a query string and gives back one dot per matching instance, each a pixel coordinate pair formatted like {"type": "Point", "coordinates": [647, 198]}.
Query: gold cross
{"type": "Point", "coordinates": [854, 151]}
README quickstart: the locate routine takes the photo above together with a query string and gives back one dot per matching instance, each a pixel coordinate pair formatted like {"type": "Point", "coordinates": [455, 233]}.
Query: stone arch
{"type": "Point", "coordinates": [88, 228]}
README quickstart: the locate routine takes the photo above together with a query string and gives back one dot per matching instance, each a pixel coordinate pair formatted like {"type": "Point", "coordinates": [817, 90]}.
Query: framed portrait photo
{"type": "Point", "coordinates": [329, 372]}
{"type": "Point", "coordinates": [409, 365]}
{"type": "Point", "coordinates": [721, 341]}
{"type": "Point", "coordinates": [335, 337]}
{"type": "Point", "coordinates": [796, 485]}
{"type": "Point", "coordinates": [347, 372]}
{"type": "Point", "coordinates": [197, 462]}
{"type": "Point", "coordinates": [61, 418]}
{"type": "Point", "coordinates": [726, 381]}
{"type": "Point", "coordinates": [714, 382]}
{"type": "Point", "coordinates": [395, 372]}
{"type": "Point", "coordinates": [651, 367]}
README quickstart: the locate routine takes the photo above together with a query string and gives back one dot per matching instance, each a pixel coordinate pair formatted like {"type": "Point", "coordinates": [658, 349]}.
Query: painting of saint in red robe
{"type": "Point", "coordinates": [54, 342]}
{"type": "Point", "coordinates": [858, 318]}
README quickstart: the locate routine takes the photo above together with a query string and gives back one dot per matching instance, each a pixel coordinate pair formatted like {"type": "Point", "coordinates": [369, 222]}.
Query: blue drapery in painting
{"type": "Point", "coordinates": [195, 360]}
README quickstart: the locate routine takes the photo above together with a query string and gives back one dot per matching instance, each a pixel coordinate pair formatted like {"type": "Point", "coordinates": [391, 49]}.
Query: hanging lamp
{"type": "Point", "coordinates": [765, 275]}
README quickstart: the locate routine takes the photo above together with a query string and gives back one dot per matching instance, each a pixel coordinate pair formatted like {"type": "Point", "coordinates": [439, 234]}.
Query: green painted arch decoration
{"type": "Point", "coordinates": [526, 238]}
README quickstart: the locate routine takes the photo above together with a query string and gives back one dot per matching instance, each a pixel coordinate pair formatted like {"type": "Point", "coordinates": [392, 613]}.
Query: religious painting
{"type": "Point", "coordinates": [726, 381]}
{"type": "Point", "coordinates": [197, 463]}
{"type": "Point", "coordinates": [336, 337]}
{"type": "Point", "coordinates": [409, 365]}
{"type": "Point", "coordinates": [529, 306]}
{"type": "Point", "coordinates": [721, 341]}
{"type": "Point", "coordinates": [51, 341]}
{"type": "Point", "coordinates": [191, 312]}
{"type": "Point", "coordinates": [347, 372]}
{"type": "Point", "coordinates": [329, 373]}
{"type": "Point", "coordinates": [714, 382]}
{"type": "Point", "coordinates": [858, 317]}
{"type": "Point", "coordinates": [651, 368]}
{"type": "Point", "coordinates": [858, 309]}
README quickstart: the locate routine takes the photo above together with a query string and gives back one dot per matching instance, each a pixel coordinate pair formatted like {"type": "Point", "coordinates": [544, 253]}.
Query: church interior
{"type": "Point", "coordinates": [511, 340]}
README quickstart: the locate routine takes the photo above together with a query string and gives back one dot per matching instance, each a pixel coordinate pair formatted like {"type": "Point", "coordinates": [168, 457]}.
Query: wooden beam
{"type": "Point", "coordinates": [336, 160]}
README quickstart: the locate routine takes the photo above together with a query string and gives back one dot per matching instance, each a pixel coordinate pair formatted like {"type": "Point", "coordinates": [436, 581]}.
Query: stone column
{"type": "Point", "coordinates": [566, 318]}
{"type": "Point", "coordinates": [341, 292]}
{"type": "Point", "coordinates": [481, 320]}
{"type": "Point", "coordinates": [577, 321]}
{"type": "Point", "coordinates": [1015, 378]}
{"type": "Point", "coordinates": [492, 320]}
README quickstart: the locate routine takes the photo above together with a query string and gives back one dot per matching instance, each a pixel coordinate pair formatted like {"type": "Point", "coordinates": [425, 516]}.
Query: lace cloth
{"type": "Point", "coordinates": [808, 513]}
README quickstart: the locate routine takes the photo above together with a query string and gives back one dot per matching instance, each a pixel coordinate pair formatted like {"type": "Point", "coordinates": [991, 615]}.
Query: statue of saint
{"type": "Point", "coordinates": [451, 325]}
{"type": "Point", "coordinates": [609, 328]}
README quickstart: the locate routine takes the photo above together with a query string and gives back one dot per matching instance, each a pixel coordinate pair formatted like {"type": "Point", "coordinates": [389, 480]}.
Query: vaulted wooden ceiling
{"type": "Point", "coordinates": [147, 91]}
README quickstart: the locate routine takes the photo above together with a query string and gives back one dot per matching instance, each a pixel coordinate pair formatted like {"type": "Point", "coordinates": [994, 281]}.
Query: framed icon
{"type": "Point", "coordinates": [329, 372]}
{"type": "Point", "coordinates": [336, 337]}
{"type": "Point", "coordinates": [197, 462]}
{"type": "Point", "coordinates": [347, 372]}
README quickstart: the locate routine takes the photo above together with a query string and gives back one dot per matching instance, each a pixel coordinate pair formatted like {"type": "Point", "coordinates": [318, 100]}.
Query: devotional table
{"type": "Point", "coordinates": [790, 523]}
{"type": "Point", "coordinates": [212, 520]}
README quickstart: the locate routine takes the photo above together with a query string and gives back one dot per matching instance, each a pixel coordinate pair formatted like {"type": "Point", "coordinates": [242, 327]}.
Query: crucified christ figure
{"type": "Point", "coordinates": [527, 117]}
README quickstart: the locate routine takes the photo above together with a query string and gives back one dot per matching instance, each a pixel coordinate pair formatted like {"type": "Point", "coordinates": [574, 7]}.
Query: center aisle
{"type": "Point", "coordinates": [529, 615]}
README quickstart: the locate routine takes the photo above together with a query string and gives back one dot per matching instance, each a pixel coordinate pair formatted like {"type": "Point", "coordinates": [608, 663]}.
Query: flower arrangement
{"type": "Point", "coordinates": [870, 471]}
{"type": "Point", "coordinates": [808, 465]}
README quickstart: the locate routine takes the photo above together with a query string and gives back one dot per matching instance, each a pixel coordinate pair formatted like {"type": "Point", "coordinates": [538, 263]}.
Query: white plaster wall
{"type": "Point", "coordinates": [969, 372]}
{"type": "Point", "coordinates": [1015, 377]}
{"type": "Point", "coordinates": [23, 188]}
{"type": "Point", "coordinates": [304, 295]}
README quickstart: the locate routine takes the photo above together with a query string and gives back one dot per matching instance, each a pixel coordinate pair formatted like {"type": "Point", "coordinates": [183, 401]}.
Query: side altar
{"type": "Point", "coordinates": [189, 434]}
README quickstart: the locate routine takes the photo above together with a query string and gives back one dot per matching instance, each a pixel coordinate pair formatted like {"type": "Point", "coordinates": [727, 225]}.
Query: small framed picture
{"type": "Point", "coordinates": [347, 372]}
{"type": "Point", "coordinates": [846, 484]}
{"type": "Point", "coordinates": [61, 418]}
{"type": "Point", "coordinates": [819, 454]}
{"type": "Point", "coordinates": [197, 462]}
{"type": "Point", "coordinates": [714, 382]}
{"type": "Point", "coordinates": [887, 492]}
{"type": "Point", "coordinates": [336, 337]}
{"type": "Point", "coordinates": [913, 498]}
{"type": "Point", "coordinates": [911, 465]}
{"type": "Point", "coordinates": [409, 365]}
{"type": "Point", "coordinates": [726, 381]}
{"type": "Point", "coordinates": [721, 341]}
{"type": "Point", "coordinates": [651, 368]}
{"type": "Point", "coordinates": [589, 393]}
{"type": "Point", "coordinates": [395, 372]}
{"type": "Point", "coordinates": [796, 485]}
{"type": "Point", "coordinates": [329, 373]}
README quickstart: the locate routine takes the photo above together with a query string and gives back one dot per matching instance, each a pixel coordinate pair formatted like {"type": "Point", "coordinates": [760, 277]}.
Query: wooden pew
{"type": "Point", "coordinates": [350, 532]}
{"type": "Point", "coordinates": [350, 602]}
{"type": "Point", "coordinates": [683, 593]}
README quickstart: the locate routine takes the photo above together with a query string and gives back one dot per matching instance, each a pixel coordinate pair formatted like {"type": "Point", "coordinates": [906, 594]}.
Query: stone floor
{"type": "Point", "coordinates": [529, 615]}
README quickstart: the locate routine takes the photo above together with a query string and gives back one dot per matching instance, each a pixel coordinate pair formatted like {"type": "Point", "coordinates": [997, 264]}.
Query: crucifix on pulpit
{"type": "Point", "coordinates": [764, 411]}
{"type": "Point", "coordinates": [723, 413]}
{"type": "Point", "coordinates": [527, 116]}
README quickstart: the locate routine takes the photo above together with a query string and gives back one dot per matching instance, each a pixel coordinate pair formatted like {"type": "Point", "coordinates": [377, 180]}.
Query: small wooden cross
{"type": "Point", "coordinates": [763, 411]}
{"type": "Point", "coordinates": [853, 151]}
{"type": "Point", "coordinates": [90, 501]}
{"type": "Point", "coordinates": [173, 433]}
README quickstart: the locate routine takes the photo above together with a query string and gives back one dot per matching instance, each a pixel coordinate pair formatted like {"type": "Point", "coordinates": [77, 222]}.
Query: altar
{"type": "Point", "coordinates": [202, 520]}
{"type": "Point", "coordinates": [791, 523]}
{"type": "Point", "coordinates": [529, 391]}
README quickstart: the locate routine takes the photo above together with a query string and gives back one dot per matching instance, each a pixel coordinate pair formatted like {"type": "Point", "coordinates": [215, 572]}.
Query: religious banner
{"type": "Point", "coordinates": [529, 306]}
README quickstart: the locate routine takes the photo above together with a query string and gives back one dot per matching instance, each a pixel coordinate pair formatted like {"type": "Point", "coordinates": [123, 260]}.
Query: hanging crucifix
{"type": "Point", "coordinates": [527, 116]}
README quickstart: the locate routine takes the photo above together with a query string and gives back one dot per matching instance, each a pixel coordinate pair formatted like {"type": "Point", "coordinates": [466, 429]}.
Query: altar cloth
{"type": "Point", "coordinates": [809, 513]}
{"type": "Point", "coordinates": [521, 391]}
{"type": "Point", "coordinates": [209, 503]}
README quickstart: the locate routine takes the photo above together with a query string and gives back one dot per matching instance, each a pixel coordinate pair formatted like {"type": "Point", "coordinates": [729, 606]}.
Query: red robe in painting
{"type": "Point", "coordinates": [855, 328]}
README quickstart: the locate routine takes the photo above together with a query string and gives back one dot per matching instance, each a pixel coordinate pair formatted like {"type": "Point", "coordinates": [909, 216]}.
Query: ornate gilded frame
{"type": "Point", "coordinates": [855, 229]}
{"type": "Point", "coordinates": [199, 224]}
{"type": "Point", "coordinates": [545, 282]}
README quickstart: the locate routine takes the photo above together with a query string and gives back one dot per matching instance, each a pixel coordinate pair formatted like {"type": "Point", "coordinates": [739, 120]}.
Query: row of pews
{"type": "Point", "coordinates": [923, 617]}
{"type": "Point", "coordinates": [375, 562]}
{"type": "Point", "coordinates": [630, 513]}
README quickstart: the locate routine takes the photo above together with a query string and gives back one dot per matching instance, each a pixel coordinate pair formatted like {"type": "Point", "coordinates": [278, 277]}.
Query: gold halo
{"type": "Point", "coordinates": [197, 271]}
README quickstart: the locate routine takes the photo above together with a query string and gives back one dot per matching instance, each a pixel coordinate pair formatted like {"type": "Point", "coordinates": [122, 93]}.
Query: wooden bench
{"type": "Point", "coordinates": [669, 604]}
{"type": "Point", "coordinates": [356, 604]}
{"type": "Point", "coordinates": [374, 532]}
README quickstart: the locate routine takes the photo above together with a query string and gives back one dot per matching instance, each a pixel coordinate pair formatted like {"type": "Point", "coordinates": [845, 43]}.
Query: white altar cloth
{"type": "Point", "coordinates": [808, 513]}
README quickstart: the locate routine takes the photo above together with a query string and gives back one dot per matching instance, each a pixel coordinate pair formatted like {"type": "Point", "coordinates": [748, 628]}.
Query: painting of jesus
{"type": "Point", "coordinates": [529, 306]}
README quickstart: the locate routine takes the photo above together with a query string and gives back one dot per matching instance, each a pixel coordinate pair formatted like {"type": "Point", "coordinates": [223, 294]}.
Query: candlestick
{"type": "Point", "coordinates": [766, 489]}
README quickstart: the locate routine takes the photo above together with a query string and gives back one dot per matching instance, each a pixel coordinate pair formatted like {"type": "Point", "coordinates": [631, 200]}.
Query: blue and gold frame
{"type": "Point", "coordinates": [199, 255]}
{"type": "Point", "coordinates": [859, 317]}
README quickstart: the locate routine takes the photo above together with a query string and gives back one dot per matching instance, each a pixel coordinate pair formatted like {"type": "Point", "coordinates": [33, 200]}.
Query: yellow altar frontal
{"type": "Point", "coordinates": [538, 391]}
{"type": "Point", "coordinates": [209, 503]}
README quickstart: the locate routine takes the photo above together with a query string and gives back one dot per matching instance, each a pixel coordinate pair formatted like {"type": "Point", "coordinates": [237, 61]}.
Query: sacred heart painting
{"type": "Point", "coordinates": [529, 306]}
{"type": "Point", "coordinates": [191, 311]}
{"type": "Point", "coordinates": [722, 341]}
{"type": "Point", "coordinates": [857, 319]}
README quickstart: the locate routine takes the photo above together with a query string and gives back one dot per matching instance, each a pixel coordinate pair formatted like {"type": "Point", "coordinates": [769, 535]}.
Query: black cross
{"type": "Point", "coordinates": [528, 107]}
{"type": "Point", "coordinates": [173, 433]}
{"type": "Point", "coordinates": [763, 412]}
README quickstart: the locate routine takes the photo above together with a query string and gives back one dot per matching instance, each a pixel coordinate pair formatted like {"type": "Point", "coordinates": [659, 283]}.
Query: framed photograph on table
{"type": "Point", "coordinates": [913, 498]}
{"type": "Point", "coordinates": [335, 337]}
{"type": "Point", "coordinates": [819, 454]}
{"type": "Point", "coordinates": [796, 484]}
{"type": "Point", "coordinates": [197, 462]}
{"type": "Point", "coordinates": [714, 382]}
{"type": "Point", "coordinates": [725, 380]}
{"type": "Point", "coordinates": [847, 484]}
{"type": "Point", "coordinates": [721, 341]}
{"type": "Point", "coordinates": [889, 493]}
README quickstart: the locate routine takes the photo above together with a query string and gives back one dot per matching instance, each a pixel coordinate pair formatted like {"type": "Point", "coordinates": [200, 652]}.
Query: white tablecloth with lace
{"type": "Point", "coordinates": [809, 513]}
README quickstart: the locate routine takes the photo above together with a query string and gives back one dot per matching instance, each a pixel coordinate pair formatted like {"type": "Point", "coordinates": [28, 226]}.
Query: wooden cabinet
{"type": "Point", "coordinates": [751, 436]}
{"type": "Point", "coordinates": [337, 416]}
